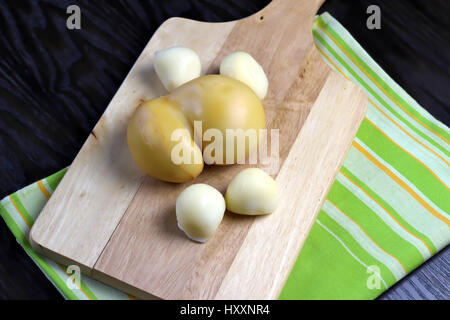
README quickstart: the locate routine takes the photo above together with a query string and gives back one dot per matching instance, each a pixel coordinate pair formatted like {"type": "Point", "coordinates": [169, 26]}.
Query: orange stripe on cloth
{"type": "Point", "coordinates": [21, 214]}
{"type": "Point", "coordinates": [406, 132]}
{"type": "Point", "coordinates": [43, 189]}
{"type": "Point", "coordinates": [367, 235]}
{"type": "Point", "coordinates": [429, 170]}
{"type": "Point", "coordinates": [377, 84]}
{"type": "Point", "coordinates": [398, 222]}
{"type": "Point", "coordinates": [79, 287]}
{"type": "Point", "coordinates": [401, 183]}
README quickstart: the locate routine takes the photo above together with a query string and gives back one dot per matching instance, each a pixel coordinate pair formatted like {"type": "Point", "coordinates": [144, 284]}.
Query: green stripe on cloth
{"type": "Point", "coordinates": [381, 232]}
{"type": "Point", "coordinates": [421, 175]}
{"type": "Point", "coordinates": [386, 213]}
{"type": "Point", "coordinates": [344, 285]}
{"type": "Point", "coordinates": [371, 89]}
{"type": "Point", "coordinates": [55, 179]}
{"type": "Point", "coordinates": [382, 205]}
{"type": "Point", "coordinates": [425, 123]}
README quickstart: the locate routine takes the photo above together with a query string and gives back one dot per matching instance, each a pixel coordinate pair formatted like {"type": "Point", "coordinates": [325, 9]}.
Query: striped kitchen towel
{"type": "Point", "coordinates": [388, 209]}
{"type": "Point", "coordinates": [386, 213]}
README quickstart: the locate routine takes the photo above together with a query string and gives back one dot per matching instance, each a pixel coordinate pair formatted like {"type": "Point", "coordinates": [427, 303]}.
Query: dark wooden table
{"type": "Point", "coordinates": [55, 84]}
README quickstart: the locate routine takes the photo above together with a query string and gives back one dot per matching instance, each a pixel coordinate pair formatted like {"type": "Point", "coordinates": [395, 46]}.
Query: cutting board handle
{"type": "Point", "coordinates": [279, 8]}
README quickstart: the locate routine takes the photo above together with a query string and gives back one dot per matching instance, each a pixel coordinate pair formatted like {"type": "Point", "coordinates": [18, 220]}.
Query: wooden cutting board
{"type": "Point", "coordinates": [119, 225]}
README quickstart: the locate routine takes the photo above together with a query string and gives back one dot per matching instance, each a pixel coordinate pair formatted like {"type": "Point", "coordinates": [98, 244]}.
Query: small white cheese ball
{"type": "Point", "coordinates": [176, 66]}
{"type": "Point", "coordinates": [241, 66]}
{"type": "Point", "coordinates": [252, 192]}
{"type": "Point", "coordinates": [199, 210]}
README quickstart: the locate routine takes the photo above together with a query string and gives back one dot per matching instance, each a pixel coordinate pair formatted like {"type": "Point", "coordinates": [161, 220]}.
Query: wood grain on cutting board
{"type": "Point", "coordinates": [120, 225]}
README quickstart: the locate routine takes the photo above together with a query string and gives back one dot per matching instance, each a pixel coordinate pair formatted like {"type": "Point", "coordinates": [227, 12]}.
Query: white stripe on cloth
{"type": "Point", "coordinates": [363, 240]}
{"type": "Point", "coordinates": [369, 82]}
{"type": "Point", "coordinates": [395, 196]}
{"type": "Point", "coordinates": [350, 252]}
{"type": "Point", "coordinates": [347, 37]}
{"type": "Point", "coordinates": [400, 176]}
{"type": "Point", "coordinates": [380, 212]}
